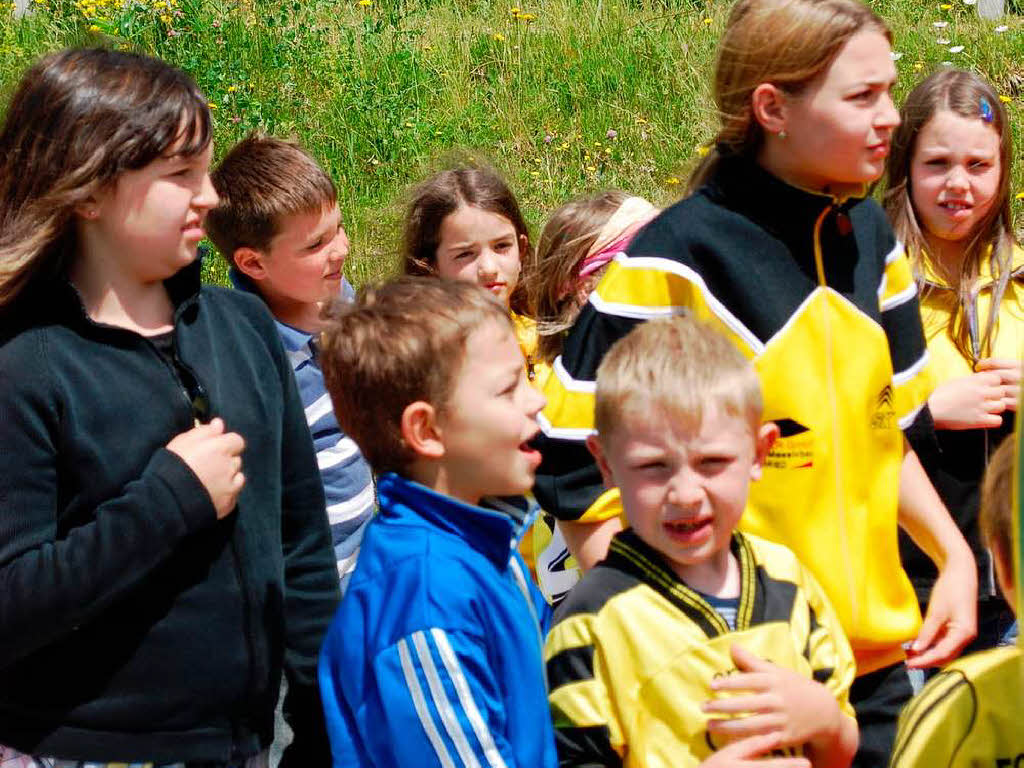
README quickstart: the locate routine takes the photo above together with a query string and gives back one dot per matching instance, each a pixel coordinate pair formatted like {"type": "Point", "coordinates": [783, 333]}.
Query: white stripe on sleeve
{"type": "Point", "coordinates": [344, 511]}
{"type": "Point", "coordinates": [451, 663]}
{"type": "Point", "coordinates": [444, 706]}
{"type": "Point", "coordinates": [341, 451]}
{"type": "Point", "coordinates": [899, 298]}
{"type": "Point", "coordinates": [420, 703]}
{"type": "Point", "coordinates": [318, 409]}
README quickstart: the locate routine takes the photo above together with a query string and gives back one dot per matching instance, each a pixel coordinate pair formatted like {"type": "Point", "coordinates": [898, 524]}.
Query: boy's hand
{"type": "Point", "coordinates": [749, 753]}
{"type": "Point", "coordinates": [215, 456]}
{"type": "Point", "coordinates": [977, 401]}
{"type": "Point", "coordinates": [779, 701]}
{"type": "Point", "coordinates": [951, 620]}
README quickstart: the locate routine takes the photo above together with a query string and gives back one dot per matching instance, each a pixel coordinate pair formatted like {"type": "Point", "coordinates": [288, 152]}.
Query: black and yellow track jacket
{"type": "Point", "coordinates": [817, 291]}
{"type": "Point", "coordinates": [968, 716]}
{"type": "Point", "coordinates": [633, 651]}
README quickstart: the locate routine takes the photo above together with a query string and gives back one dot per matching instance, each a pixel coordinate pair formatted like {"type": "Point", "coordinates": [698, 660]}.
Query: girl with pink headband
{"type": "Point", "coordinates": [579, 240]}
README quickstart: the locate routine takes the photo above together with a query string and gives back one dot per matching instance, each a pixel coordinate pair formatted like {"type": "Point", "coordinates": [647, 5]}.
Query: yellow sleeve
{"type": "Point", "coordinates": [586, 727]}
{"type": "Point", "coordinates": [935, 723]}
{"type": "Point", "coordinates": [829, 651]}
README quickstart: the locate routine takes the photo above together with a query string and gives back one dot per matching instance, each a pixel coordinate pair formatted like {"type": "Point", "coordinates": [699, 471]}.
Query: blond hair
{"type": "Point", "coordinates": [552, 280]}
{"type": "Point", "coordinates": [788, 43]}
{"type": "Point", "coordinates": [676, 366]}
{"type": "Point", "coordinates": [397, 344]}
{"type": "Point", "coordinates": [996, 514]}
{"type": "Point", "coordinates": [962, 93]}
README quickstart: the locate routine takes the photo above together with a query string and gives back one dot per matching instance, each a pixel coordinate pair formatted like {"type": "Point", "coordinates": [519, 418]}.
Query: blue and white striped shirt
{"type": "Point", "coordinates": [347, 478]}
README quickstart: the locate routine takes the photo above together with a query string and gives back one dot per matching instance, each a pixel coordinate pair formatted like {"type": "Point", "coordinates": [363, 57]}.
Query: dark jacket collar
{"type": "Point", "coordinates": [491, 533]}
{"type": "Point", "coordinates": [61, 296]}
{"type": "Point", "coordinates": [740, 179]}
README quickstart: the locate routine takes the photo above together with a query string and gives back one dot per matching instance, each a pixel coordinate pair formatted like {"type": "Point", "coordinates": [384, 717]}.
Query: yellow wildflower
{"type": "Point", "coordinates": [211, 105]}
{"type": "Point", "coordinates": [514, 11]}
{"type": "Point", "coordinates": [709, 20]}
{"type": "Point", "coordinates": [94, 28]}
{"type": "Point", "coordinates": [410, 125]}
{"type": "Point", "coordinates": [702, 150]}
{"type": "Point", "coordinates": [1020, 196]}
{"type": "Point", "coordinates": [527, 17]}
{"type": "Point", "coordinates": [672, 180]}
{"type": "Point", "coordinates": [1005, 99]}
{"type": "Point", "coordinates": [946, 7]}
{"type": "Point", "coordinates": [591, 168]}
{"type": "Point", "coordinates": [365, 3]}
{"type": "Point", "coordinates": [640, 121]}
{"type": "Point", "coordinates": [535, 173]}
{"type": "Point", "coordinates": [607, 150]}
{"type": "Point", "coordinates": [498, 37]}
{"type": "Point", "coordinates": [165, 19]}
{"type": "Point", "coordinates": [232, 89]}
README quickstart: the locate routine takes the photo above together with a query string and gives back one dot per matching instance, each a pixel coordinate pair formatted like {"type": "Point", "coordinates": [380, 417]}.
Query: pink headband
{"type": "Point", "coordinates": [617, 233]}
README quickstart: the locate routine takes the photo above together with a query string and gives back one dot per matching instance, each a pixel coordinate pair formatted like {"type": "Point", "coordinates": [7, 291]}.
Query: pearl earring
{"type": "Point", "coordinates": [783, 134]}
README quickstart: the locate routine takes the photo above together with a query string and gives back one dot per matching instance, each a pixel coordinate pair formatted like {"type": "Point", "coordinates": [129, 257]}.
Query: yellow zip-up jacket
{"type": "Point", "coordinates": [633, 650]}
{"type": "Point", "coordinates": [968, 716]}
{"type": "Point", "coordinates": [955, 460]}
{"type": "Point", "coordinates": [819, 294]}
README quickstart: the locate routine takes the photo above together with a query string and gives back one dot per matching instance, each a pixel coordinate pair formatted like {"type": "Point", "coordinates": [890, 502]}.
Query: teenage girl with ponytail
{"type": "Point", "coordinates": [779, 247]}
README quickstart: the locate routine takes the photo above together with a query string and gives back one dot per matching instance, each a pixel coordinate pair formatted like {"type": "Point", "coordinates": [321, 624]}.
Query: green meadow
{"type": "Point", "coordinates": [562, 96]}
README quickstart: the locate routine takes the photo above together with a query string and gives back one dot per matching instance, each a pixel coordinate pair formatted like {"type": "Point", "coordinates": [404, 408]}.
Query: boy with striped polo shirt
{"type": "Point", "coordinates": [279, 226]}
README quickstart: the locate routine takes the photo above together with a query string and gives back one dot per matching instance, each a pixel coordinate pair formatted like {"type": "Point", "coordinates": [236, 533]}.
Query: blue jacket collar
{"type": "Point", "coordinates": [492, 533]}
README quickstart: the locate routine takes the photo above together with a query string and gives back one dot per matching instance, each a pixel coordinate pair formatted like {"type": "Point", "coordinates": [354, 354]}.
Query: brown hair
{"type": "Point", "coordinates": [564, 242]}
{"type": "Point", "coordinates": [678, 366]}
{"type": "Point", "coordinates": [996, 515]}
{"type": "Point", "coordinates": [261, 181]}
{"type": "Point", "coordinates": [443, 194]}
{"type": "Point", "coordinates": [962, 94]}
{"type": "Point", "coordinates": [398, 343]}
{"type": "Point", "coordinates": [785, 42]}
{"type": "Point", "coordinates": [78, 120]}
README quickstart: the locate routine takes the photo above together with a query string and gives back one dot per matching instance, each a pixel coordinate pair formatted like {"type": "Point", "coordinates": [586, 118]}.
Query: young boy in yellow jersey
{"type": "Point", "coordinates": [691, 638]}
{"type": "Point", "coordinates": [969, 715]}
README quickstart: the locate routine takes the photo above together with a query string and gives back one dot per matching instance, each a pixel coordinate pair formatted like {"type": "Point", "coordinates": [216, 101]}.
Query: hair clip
{"type": "Point", "coordinates": [986, 111]}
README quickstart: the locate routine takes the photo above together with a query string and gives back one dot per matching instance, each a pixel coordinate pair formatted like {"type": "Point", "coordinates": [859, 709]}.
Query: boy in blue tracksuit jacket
{"type": "Point", "coordinates": [435, 655]}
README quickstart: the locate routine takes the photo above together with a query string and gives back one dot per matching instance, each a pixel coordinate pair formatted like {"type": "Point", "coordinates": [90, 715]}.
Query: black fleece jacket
{"type": "Point", "coordinates": [135, 626]}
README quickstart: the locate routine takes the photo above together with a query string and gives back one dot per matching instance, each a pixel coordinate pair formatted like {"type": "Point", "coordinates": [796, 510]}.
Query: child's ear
{"type": "Point", "coordinates": [524, 243]}
{"type": "Point", "coordinates": [768, 103]}
{"type": "Point", "coordinates": [249, 262]}
{"type": "Point", "coordinates": [420, 430]}
{"type": "Point", "coordinates": [764, 440]}
{"type": "Point", "coordinates": [594, 446]}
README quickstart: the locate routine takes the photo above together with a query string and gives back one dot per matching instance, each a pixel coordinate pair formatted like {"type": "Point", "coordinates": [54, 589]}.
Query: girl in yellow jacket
{"type": "Point", "coordinates": [949, 200]}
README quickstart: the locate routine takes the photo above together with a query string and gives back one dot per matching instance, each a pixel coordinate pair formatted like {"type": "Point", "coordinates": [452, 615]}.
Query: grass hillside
{"type": "Point", "coordinates": [563, 96]}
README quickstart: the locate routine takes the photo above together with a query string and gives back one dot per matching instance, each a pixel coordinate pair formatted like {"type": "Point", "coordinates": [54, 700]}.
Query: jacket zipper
{"type": "Point", "coordinates": [237, 725]}
{"type": "Point", "coordinates": [520, 579]}
{"type": "Point", "coordinates": [819, 266]}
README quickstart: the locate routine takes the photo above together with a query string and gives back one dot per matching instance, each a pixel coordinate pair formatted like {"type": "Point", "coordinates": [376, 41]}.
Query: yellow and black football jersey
{"type": "Point", "coordinates": [818, 293]}
{"type": "Point", "coordinates": [968, 716]}
{"type": "Point", "coordinates": [633, 651]}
